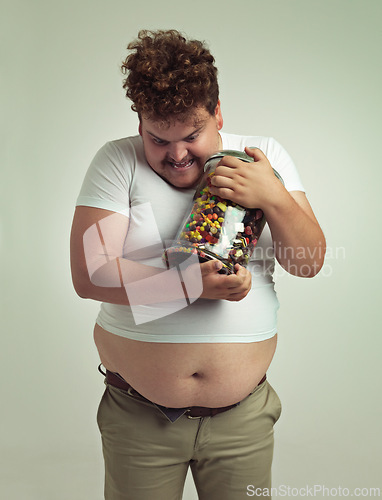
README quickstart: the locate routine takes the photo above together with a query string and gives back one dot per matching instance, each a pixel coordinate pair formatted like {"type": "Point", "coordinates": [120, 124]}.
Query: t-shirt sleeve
{"type": "Point", "coordinates": [107, 180]}
{"type": "Point", "coordinates": [274, 151]}
{"type": "Point", "coordinates": [284, 165]}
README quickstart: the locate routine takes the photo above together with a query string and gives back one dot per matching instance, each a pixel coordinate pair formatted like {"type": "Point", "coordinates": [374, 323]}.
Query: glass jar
{"type": "Point", "coordinates": [216, 228]}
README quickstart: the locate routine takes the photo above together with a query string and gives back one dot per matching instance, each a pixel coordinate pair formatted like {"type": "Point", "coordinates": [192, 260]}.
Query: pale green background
{"type": "Point", "coordinates": [306, 72]}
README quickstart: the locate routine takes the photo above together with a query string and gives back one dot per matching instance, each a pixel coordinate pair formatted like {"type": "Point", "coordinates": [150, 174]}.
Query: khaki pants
{"type": "Point", "coordinates": [147, 456]}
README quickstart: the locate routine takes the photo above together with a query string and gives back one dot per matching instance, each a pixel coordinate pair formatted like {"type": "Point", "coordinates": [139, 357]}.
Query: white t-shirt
{"type": "Point", "coordinates": [119, 179]}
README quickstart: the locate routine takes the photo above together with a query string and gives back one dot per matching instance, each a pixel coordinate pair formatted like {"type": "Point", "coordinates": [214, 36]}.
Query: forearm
{"type": "Point", "coordinates": [298, 240]}
{"type": "Point", "coordinates": [125, 282]}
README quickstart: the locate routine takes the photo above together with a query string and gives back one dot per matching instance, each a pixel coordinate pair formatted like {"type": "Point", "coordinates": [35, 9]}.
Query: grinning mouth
{"type": "Point", "coordinates": [182, 165]}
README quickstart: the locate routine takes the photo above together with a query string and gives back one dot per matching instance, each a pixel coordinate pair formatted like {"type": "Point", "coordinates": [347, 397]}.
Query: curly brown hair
{"type": "Point", "coordinates": [168, 75]}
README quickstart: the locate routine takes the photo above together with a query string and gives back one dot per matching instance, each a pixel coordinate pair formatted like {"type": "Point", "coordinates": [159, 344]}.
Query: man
{"type": "Point", "coordinates": [185, 384]}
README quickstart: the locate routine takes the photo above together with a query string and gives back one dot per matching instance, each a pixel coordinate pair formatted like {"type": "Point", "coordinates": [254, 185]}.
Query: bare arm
{"type": "Point", "coordinates": [96, 268]}
{"type": "Point", "coordinates": [297, 237]}
{"type": "Point", "coordinates": [298, 240]}
{"type": "Point", "coordinates": [99, 271]}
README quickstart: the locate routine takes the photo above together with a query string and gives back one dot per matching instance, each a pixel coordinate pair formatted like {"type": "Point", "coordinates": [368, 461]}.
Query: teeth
{"type": "Point", "coordinates": [182, 165]}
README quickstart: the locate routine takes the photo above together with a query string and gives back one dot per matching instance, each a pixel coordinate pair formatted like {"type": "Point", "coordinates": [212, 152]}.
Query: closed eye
{"type": "Point", "coordinates": [159, 142]}
{"type": "Point", "coordinates": [191, 138]}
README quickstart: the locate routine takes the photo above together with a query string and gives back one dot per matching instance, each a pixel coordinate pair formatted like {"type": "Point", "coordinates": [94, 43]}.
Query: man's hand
{"type": "Point", "coordinates": [251, 185]}
{"type": "Point", "coordinates": [233, 287]}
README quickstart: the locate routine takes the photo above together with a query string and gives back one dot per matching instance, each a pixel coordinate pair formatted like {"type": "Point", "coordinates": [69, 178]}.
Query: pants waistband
{"type": "Point", "coordinates": [173, 414]}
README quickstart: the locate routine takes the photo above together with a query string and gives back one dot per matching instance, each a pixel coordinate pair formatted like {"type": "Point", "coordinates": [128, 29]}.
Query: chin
{"type": "Point", "coordinates": [186, 182]}
{"type": "Point", "coordinates": [183, 184]}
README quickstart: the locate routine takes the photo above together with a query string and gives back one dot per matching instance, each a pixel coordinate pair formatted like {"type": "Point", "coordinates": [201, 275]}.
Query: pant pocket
{"type": "Point", "coordinates": [275, 404]}
{"type": "Point", "coordinates": [100, 411]}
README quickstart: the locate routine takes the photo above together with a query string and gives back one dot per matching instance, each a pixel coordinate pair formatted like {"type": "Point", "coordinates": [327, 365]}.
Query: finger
{"type": "Point", "coordinates": [225, 171]}
{"type": "Point", "coordinates": [219, 180]}
{"type": "Point", "coordinates": [238, 171]}
{"type": "Point", "coordinates": [240, 270]}
{"type": "Point", "coordinates": [255, 153]}
{"type": "Point", "coordinates": [225, 193]}
{"type": "Point", "coordinates": [236, 281]}
{"type": "Point", "coordinates": [211, 266]}
{"type": "Point", "coordinates": [244, 275]}
{"type": "Point", "coordinates": [230, 161]}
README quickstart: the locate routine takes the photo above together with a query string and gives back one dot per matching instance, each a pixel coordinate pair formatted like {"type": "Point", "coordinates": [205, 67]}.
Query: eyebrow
{"type": "Point", "coordinates": [190, 135]}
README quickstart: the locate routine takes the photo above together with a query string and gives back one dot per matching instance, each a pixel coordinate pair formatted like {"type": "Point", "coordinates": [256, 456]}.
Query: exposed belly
{"type": "Point", "coordinates": [179, 375]}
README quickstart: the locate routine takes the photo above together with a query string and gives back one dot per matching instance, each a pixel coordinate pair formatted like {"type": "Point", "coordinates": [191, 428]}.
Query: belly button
{"type": "Point", "coordinates": [195, 375]}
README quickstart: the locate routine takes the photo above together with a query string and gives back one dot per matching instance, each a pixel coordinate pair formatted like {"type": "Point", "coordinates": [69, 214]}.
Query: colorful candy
{"type": "Point", "coordinates": [218, 228]}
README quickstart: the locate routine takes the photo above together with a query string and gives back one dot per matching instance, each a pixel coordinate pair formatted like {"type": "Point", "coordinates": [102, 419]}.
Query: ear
{"type": "Point", "coordinates": [219, 116]}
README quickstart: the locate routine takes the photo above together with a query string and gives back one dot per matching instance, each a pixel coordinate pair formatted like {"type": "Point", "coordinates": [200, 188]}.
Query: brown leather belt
{"type": "Point", "coordinates": [117, 381]}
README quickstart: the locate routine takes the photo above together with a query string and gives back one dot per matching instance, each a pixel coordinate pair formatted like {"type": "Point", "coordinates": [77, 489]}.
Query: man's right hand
{"type": "Point", "coordinates": [233, 287]}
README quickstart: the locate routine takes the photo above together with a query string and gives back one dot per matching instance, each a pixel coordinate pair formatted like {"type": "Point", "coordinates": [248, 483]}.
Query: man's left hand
{"type": "Point", "coordinates": [251, 185]}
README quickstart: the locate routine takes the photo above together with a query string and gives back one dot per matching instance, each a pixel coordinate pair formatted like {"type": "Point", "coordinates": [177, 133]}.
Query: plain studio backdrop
{"type": "Point", "coordinates": [306, 72]}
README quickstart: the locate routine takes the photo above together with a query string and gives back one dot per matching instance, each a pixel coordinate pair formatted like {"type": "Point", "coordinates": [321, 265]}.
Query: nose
{"type": "Point", "coordinates": [177, 152]}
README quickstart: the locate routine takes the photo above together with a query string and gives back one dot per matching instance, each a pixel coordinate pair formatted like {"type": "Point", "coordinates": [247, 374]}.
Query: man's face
{"type": "Point", "coordinates": [177, 151]}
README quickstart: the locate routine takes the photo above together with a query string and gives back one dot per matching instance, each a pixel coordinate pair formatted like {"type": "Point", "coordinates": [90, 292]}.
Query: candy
{"type": "Point", "coordinates": [217, 228]}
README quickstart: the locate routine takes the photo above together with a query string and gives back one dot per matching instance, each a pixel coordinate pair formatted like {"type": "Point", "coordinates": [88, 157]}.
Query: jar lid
{"type": "Point", "coordinates": [230, 152]}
